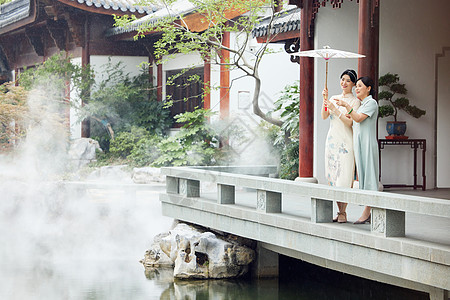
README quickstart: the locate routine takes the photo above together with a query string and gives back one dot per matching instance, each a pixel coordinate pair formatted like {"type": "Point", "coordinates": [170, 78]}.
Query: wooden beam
{"type": "Point", "coordinates": [58, 32]}
{"type": "Point", "coordinates": [76, 23]}
{"type": "Point", "coordinates": [35, 36]}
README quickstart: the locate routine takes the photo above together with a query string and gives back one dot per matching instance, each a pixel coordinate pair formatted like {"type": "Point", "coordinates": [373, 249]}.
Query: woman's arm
{"type": "Point", "coordinates": [357, 117]}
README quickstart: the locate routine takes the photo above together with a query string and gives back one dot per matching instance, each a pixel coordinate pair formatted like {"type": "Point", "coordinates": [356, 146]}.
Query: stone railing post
{"type": "Point", "coordinates": [172, 185]}
{"type": "Point", "coordinates": [388, 223]}
{"type": "Point", "coordinates": [321, 211]}
{"type": "Point", "coordinates": [189, 187]}
{"type": "Point", "coordinates": [267, 201]}
{"type": "Point", "coordinates": [225, 194]}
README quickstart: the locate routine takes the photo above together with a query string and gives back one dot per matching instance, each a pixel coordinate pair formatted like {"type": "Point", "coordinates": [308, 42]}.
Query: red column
{"type": "Point", "coordinates": [85, 60]}
{"type": "Point", "coordinates": [225, 79]}
{"type": "Point", "coordinates": [368, 43]}
{"type": "Point", "coordinates": [150, 69]}
{"type": "Point", "coordinates": [306, 118]}
{"type": "Point", "coordinates": [159, 82]}
{"type": "Point", "coordinates": [207, 84]}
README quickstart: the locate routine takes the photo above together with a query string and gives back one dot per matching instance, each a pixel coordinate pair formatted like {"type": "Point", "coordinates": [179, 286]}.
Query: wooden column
{"type": "Point", "coordinates": [306, 118]}
{"type": "Point", "coordinates": [85, 60]}
{"type": "Point", "coordinates": [225, 79]}
{"type": "Point", "coordinates": [207, 84]}
{"type": "Point", "coordinates": [368, 27]}
{"type": "Point", "coordinates": [159, 81]}
{"type": "Point", "coordinates": [151, 61]}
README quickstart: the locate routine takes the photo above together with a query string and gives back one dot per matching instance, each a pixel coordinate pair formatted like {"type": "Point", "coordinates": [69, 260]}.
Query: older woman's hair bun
{"type": "Point", "coordinates": [351, 73]}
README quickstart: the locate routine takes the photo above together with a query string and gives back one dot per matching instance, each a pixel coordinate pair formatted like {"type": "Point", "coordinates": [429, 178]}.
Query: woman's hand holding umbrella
{"type": "Point", "coordinates": [325, 98]}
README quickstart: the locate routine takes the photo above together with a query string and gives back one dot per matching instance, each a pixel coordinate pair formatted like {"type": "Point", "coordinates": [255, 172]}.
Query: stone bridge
{"type": "Point", "coordinates": [407, 243]}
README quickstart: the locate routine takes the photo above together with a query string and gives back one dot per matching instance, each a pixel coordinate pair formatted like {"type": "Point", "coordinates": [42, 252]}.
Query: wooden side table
{"type": "Point", "coordinates": [414, 144]}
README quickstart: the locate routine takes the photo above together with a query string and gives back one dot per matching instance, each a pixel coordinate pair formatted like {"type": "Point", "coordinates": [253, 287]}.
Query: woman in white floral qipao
{"type": "Point", "coordinates": [339, 158]}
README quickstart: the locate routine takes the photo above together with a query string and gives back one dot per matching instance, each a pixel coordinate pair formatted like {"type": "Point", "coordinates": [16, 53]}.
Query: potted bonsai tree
{"type": "Point", "coordinates": [391, 88]}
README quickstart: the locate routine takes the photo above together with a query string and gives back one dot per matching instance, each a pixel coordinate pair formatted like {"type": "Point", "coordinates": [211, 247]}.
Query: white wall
{"type": "Point", "coordinates": [130, 65]}
{"type": "Point", "coordinates": [337, 28]}
{"type": "Point", "coordinates": [411, 34]}
{"type": "Point", "coordinates": [276, 71]}
{"type": "Point", "coordinates": [443, 125]}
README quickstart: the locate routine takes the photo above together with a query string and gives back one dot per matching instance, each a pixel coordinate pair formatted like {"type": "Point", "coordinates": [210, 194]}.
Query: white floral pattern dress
{"type": "Point", "coordinates": [339, 156]}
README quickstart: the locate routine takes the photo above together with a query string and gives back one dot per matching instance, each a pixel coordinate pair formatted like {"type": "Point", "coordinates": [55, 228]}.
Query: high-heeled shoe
{"type": "Point", "coordinates": [363, 221]}
{"type": "Point", "coordinates": [341, 217]}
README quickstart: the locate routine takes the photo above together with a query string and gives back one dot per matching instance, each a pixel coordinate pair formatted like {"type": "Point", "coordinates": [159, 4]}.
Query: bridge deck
{"type": "Point", "coordinates": [407, 243]}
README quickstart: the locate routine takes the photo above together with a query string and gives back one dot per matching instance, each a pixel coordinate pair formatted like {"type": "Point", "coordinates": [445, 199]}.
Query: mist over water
{"type": "Point", "coordinates": [60, 245]}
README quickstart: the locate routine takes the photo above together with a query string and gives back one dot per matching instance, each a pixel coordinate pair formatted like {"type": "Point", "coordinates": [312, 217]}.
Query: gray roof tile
{"type": "Point", "coordinates": [284, 21]}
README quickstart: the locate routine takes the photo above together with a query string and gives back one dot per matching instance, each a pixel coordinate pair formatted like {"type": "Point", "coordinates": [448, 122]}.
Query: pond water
{"type": "Point", "coordinates": [59, 246]}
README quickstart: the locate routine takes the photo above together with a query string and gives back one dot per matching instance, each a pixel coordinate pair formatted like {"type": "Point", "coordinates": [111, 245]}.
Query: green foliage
{"type": "Point", "coordinates": [119, 102]}
{"type": "Point", "coordinates": [392, 87]}
{"type": "Point", "coordinates": [192, 145]}
{"type": "Point", "coordinates": [138, 147]}
{"type": "Point", "coordinates": [289, 160]}
{"type": "Point", "coordinates": [55, 74]}
{"type": "Point", "coordinates": [13, 113]}
{"type": "Point", "coordinates": [124, 142]}
{"type": "Point", "coordinates": [285, 139]}
{"type": "Point", "coordinates": [180, 33]}
{"type": "Point", "coordinates": [289, 106]}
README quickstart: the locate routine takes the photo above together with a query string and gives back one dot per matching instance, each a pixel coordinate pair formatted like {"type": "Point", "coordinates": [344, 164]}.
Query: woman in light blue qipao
{"type": "Point", "coordinates": [365, 144]}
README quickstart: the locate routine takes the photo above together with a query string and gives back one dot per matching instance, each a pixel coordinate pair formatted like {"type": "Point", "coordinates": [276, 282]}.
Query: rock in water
{"type": "Point", "coordinates": [198, 254]}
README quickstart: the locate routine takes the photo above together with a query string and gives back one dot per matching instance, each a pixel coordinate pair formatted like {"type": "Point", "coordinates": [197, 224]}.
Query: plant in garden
{"type": "Point", "coordinates": [56, 75]}
{"type": "Point", "coordinates": [119, 102]}
{"type": "Point", "coordinates": [289, 106]}
{"type": "Point", "coordinates": [392, 87]}
{"type": "Point", "coordinates": [181, 33]}
{"type": "Point", "coordinates": [192, 145]}
{"type": "Point", "coordinates": [13, 112]}
{"type": "Point", "coordinates": [285, 138]}
{"type": "Point", "coordinates": [137, 146]}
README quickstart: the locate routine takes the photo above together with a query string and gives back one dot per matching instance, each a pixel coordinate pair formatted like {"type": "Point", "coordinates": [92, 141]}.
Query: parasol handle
{"type": "Point", "coordinates": [326, 78]}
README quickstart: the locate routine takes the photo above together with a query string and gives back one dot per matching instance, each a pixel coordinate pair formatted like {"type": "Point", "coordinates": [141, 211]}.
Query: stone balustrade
{"type": "Point", "coordinates": [388, 210]}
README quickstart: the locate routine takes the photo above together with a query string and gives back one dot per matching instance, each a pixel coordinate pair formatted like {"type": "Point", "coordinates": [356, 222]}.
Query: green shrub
{"type": "Point", "coordinates": [125, 142]}
{"type": "Point", "coordinates": [192, 145]}
{"type": "Point", "coordinates": [145, 152]}
{"type": "Point", "coordinates": [285, 139]}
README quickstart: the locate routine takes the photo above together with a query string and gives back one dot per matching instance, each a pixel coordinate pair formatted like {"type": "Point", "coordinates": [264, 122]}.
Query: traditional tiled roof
{"type": "Point", "coordinates": [284, 21]}
{"type": "Point", "coordinates": [14, 11]}
{"type": "Point", "coordinates": [18, 10]}
{"type": "Point", "coordinates": [181, 7]}
{"type": "Point", "coordinates": [122, 5]}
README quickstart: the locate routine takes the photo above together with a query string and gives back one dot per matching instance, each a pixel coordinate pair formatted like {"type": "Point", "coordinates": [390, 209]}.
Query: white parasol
{"type": "Point", "coordinates": [327, 53]}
